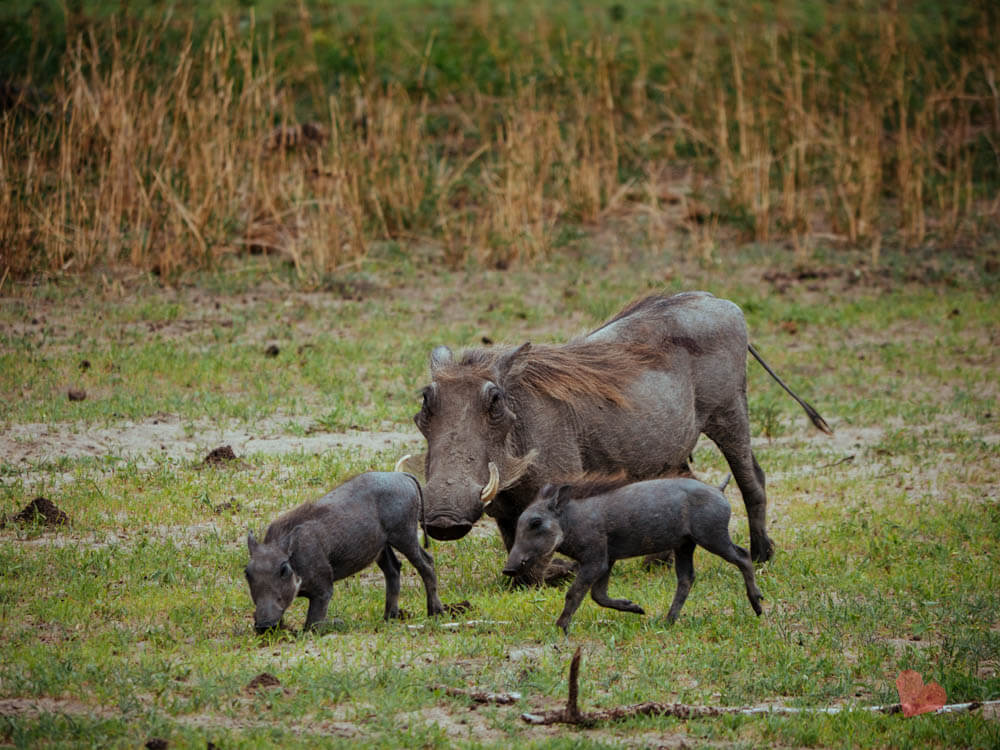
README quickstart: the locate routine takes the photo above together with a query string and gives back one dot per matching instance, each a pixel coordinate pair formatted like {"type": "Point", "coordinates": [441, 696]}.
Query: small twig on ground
{"type": "Point", "coordinates": [466, 624]}
{"type": "Point", "coordinates": [571, 714]}
{"type": "Point", "coordinates": [838, 462]}
{"type": "Point", "coordinates": [479, 696]}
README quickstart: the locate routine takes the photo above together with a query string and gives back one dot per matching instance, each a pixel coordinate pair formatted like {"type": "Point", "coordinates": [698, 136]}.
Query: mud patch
{"type": "Point", "coordinates": [223, 456]}
{"type": "Point", "coordinates": [42, 511]}
{"type": "Point", "coordinates": [458, 607]}
{"type": "Point", "coordinates": [220, 455]}
{"type": "Point", "coordinates": [263, 681]}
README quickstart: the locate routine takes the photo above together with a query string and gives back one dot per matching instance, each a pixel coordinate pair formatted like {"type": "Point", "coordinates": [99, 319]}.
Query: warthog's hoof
{"type": "Point", "coordinates": [761, 550]}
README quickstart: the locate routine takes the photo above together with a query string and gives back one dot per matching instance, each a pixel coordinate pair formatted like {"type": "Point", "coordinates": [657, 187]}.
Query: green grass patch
{"type": "Point", "coordinates": [133, 622]}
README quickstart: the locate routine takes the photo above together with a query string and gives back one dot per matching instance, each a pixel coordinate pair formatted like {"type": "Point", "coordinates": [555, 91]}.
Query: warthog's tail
{"type": "Point", "coordinates": [423, 522]}
{"type": "Point", "coordinates": [813, 414]}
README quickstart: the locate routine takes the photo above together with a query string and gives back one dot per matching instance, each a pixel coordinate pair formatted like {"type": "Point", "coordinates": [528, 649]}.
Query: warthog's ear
{"type": "Point", "coordinates": [505, 365]}
{"type": "Point", "coordinates": [251, 543]}
{"type": "Point", "coordinates": [440, 357]}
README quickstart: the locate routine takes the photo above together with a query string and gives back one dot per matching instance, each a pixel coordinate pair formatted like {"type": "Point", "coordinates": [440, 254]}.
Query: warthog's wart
{"type": "Point", "coordinates": [599, 521]}
{"type": "Point", "coordinates": [632, 396]}
{"type": "Point", "coordinates": [309, 547]}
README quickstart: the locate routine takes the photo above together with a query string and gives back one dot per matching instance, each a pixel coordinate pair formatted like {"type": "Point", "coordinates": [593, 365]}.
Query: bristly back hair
{"type": "Point", "coordinates": [602, 369]}
{"type": "Point", "coordinates": [589, 484]}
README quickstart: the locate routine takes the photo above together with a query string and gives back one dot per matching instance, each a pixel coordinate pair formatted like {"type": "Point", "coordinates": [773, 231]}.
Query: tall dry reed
{"type": "Point", "coordinates": [788, 135]}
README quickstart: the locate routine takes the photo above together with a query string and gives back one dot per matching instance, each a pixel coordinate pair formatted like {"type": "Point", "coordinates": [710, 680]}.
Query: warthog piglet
{"type": "Point", "coordinates": [599, 521]}
{"type": "Point", "coordinates": [309, 547]}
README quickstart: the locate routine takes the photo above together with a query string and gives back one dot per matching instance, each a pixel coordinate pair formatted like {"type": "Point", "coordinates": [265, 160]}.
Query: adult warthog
{"type": "Point", "coordinates": [632, 396]}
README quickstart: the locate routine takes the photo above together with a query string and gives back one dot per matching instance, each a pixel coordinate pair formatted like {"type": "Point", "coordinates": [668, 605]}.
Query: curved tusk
{"type": "Point", "coordinates": [490, 490]}
{"type": "Point", "coordinates": [401, 462]}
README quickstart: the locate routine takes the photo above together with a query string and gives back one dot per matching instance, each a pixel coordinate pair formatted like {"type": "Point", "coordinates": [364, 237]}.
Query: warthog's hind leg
{"type": "Point", "coordinates": [684, 565]}
{"type": "Point", "coordinates": [599, 593]}
{"type": "Point", "coordinates": [731, 432]}
{"type": "Point", "coordinates": [390, 566]}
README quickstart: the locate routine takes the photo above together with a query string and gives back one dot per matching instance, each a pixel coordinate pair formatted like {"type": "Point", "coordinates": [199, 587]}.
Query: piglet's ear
{"type": "Point", "coordinates": [251, 543]}
{"type": "Point", "coordinates": [557, 498]}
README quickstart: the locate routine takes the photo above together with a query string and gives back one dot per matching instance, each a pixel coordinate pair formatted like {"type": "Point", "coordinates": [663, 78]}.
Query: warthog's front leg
{"type": "Point", "coordinates": [585, 579]}
{"type": "Point", "coordinates": [318, 606]}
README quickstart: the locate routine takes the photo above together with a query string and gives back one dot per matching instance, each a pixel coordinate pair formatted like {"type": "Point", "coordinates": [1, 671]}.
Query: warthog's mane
{"type": "Point", "coordinates": [578, 369]}
{"type": "Point", "coordinates": [589, 484]}
{"type": "Point", "coordinates": [585, 485]}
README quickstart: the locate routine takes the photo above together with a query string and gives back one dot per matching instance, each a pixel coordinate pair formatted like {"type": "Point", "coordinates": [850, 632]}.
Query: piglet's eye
{"type": "Point", "coordinates": [535, 523]}
{"type": "Point", "coordinates": [286, 570]}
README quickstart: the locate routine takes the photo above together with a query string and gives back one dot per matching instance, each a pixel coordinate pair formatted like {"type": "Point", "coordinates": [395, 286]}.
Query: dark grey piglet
{"type": "Point", "coordinates": [309, 547]}
{"type": "Point", "coordinates": [596, 522]}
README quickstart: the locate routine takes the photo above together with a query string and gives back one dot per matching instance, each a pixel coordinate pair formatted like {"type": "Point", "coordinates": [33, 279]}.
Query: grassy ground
{"type": "Point", "coordinates": [133, 622]}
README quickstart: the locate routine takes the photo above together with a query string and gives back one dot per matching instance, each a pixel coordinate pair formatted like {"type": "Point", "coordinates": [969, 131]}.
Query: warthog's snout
{"type": "Point", "coordinates": [446, 528]}
{"type": "Point", "coordinates": [262, 627]}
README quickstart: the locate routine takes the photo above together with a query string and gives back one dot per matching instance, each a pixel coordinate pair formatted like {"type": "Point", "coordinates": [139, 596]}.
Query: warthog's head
{"type": "Point", "coordinates": [273, 583]}
{"type": "Point", "coordinates": [468, 418]}
{"type": "Point", "coordinates": [538, 532]}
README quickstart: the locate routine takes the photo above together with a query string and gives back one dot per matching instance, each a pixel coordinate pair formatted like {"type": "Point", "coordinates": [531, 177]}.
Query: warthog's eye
{"type": "Point", "coordinates": [422, 417]}
{"type": "Point", "coordinates": [494, 403]}
{"type": "Point", "coordinates": [535, 523]}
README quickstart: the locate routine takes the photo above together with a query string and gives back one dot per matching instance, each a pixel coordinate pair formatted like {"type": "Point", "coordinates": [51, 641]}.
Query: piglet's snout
{"type": "Point", "coordinates": [514, 566]}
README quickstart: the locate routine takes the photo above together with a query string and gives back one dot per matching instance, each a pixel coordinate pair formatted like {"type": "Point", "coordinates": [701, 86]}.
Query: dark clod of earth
{"type": "Point", "coordinates": [40, 510]}
{"type": "Point", "coordinates": [157, 743]}
{"type": "Point", "coordinates": [220, 455]}
{"type": "Point", "coordinates": [458, 607]}
{"type": "Point", "coordinates": [272, 351]}
{"type": "Point", "coordinates": [76, 394]}
{"type": "Point", "coordinates": [262, 681]}
{"type": "Point", "coordinates": [85, 365]}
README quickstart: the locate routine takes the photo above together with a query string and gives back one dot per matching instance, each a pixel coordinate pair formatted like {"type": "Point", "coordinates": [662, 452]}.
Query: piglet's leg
{"type": "Point", "coordinates": [684, 565]}
{"type": "Point", "coordinates": [588, 575]}
{"type": "Point", "coordinates": [390, 566]}
{"type": "Point", "coordinates": [424, 564]}
{"type": "Point", "coordinates": [739, 557]}
{"type": "Point", "coordinates": [318, 606]}
{"type": "Point", "coordinates": [599, 593]}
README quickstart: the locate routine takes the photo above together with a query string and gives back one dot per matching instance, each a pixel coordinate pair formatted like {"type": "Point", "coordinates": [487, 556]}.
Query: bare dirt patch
{"type": "Point", "coordinates": [167, 437]}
